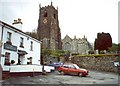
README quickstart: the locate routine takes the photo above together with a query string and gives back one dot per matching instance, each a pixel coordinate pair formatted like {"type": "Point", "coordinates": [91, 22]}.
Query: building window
{"type": "Point", "coordinates": [21, 42]}
{"type": "Point", "coordinates": [9, 36]}
{"type": "Point", "coordinates": [54, 16]}
{"type": "Point", "coordinates": [31, 46]}
{"type": "Point", "coordinates": [7, 58]}
{"type": "Point", "coordinates": [29, 60]}
{"type": "Point", "coordinates": [27, 38]}
{"type": "Point", "coordinates": [45, 14]}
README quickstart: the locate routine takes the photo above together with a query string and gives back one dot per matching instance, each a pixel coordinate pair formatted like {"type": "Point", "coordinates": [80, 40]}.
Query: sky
{"type": "Point", "coordinates": [76, 17]}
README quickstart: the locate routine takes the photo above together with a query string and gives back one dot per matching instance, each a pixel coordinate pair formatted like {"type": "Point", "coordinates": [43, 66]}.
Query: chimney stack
{"type": "Point", "coordinates": [18, 24]}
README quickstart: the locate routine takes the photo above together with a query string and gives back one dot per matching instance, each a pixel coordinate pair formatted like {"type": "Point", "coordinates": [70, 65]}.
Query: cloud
{"type": "Point", "coordinates": [76, 17]}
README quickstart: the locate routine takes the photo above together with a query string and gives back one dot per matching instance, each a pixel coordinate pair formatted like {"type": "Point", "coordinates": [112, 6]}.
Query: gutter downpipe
{"type": "Point", "coordinates": [1, 43]}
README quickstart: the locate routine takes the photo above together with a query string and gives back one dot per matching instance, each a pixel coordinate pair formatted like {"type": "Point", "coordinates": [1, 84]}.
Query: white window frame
{"type": "Point", "coordinates": [21, 42]}
{"type": "Point", "coordinates": [9, 36]}
{"type": "Point", "coordinates": [31, 45]}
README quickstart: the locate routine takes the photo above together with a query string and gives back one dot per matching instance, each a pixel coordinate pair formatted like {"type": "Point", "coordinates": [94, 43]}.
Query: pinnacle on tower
{"type": "Point", "coordinates": [74, 36]}
{"type": "Point", "coordinates": [84, 37]}
{"type": "Point", "coordinates": [57, 7]}
{"type": "Point", "coordinates": [39, 5]}
{"type": "Point", "coordinates": [51, 3]}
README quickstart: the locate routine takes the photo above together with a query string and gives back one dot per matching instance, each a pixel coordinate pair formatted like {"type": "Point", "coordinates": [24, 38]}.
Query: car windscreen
{"type": "Point", "coordinates": [76, 66]}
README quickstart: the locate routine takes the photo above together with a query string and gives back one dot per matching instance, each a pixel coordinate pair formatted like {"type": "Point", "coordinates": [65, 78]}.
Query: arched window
{"type": "Point", "coordinates": [45, 14]}
{"type": "Point", "coordinates": [54, 16]}
{"type": "Point", "coordinates": [67, 46]}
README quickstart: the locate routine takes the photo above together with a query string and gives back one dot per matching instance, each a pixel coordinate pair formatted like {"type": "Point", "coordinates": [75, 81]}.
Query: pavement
{"type": "Point", "coordinates": [94, 77]}
{"type": "Point", "coordinates": [1, 81]}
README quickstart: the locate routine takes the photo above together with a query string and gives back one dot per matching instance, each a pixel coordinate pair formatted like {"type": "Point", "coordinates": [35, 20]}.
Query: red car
{"type": "Point", "coordinates": [72, 69]}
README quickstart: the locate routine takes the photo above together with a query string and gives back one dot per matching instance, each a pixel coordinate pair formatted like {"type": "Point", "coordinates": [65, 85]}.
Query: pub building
{"type": "Point", "coordinates": [17, 48]}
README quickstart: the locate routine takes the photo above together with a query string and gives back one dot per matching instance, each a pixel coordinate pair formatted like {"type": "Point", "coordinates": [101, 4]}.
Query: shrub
{"type": "Point", "coordinates": [12, 61]}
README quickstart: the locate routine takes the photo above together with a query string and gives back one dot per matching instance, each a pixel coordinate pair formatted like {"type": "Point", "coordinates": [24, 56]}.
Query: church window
{"type": "Point", "coordinates": [45, 14]}
{"type": "Point", "coordinates": [54, 16]}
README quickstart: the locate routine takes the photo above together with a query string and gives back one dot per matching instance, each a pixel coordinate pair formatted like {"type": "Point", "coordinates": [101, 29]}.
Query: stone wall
{"type": "Point", "coordinates": [97, 63]}
{"type": "Point", "coordinates": [47, 59]}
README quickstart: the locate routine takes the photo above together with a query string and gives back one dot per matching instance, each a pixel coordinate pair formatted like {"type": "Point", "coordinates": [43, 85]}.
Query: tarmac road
{"type": "Point", "coordinates": [94, 77]}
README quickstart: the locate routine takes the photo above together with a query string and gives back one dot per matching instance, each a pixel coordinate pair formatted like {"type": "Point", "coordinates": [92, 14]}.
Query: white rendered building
{"type": "Point", "coordinates": [18, 46]}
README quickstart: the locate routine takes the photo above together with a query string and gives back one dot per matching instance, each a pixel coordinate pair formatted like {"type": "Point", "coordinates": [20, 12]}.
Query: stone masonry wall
{"type": "Point", "coordinates": [96, 63]}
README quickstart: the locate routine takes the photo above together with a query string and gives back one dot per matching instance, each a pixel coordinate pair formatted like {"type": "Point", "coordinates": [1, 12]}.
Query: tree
{"type": "Point", "coordinates": [103, 41]}
{"type": "Point", "coordinates": [115, 48]}
{"type": "Point", "coordinates": [32, 34]}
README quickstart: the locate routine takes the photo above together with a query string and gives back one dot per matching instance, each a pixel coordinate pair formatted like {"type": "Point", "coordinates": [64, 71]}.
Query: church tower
{"type": "Point", "coordinates": [48, 28]}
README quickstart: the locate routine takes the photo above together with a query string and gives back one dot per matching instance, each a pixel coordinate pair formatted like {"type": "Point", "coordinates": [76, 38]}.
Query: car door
{"type": "Point", "coordinates": [72, 70]}
{"type": "Point", "coordinates": [65, 69]}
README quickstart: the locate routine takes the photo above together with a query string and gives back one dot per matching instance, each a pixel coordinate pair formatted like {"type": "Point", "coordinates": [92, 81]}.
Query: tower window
{"type": "Point", "coordinates": [45, 14]}
{"type": "Point", "coordinates": [54, 16]}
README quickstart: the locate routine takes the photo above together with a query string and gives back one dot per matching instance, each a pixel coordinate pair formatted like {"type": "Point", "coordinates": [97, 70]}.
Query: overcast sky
{"type": "Point", "coordinates": [76, 17]}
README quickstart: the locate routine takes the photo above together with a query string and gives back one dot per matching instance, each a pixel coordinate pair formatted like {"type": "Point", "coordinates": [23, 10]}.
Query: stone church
{"type": "Point", "coordinates": [49, 33]}
{"type": "Point", "coordinates": [48, 28]}
{"type": "Point", "coordinates": [80, 45]}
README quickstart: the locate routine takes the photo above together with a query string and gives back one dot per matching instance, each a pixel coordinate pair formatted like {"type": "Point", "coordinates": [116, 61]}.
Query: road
{"type": "Point", "coordinates": [94, 77]}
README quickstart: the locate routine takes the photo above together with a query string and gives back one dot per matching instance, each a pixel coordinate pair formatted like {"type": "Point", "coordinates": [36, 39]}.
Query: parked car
{"type": "Point", "coordinates": [56, 64]}
{"type": "Point", "coordinates": [72, 69]}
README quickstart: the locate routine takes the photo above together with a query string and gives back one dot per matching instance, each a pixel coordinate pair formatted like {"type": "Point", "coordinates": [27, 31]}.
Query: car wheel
{"type": "Point", "coordinates": [80, 74]}
{"type": "Point", "coordinates": [61, 72]}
